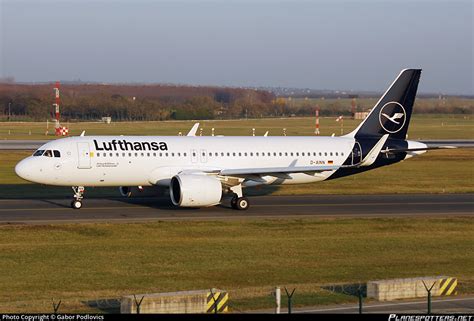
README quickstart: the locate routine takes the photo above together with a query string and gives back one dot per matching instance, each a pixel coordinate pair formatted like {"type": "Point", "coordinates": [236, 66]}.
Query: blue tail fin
{"type": "Point", "coordinates": [391, 115]}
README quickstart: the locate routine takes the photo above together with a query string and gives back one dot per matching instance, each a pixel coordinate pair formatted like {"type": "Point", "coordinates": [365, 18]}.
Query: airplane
{"type": "Point", "coordinates": [200, 171]}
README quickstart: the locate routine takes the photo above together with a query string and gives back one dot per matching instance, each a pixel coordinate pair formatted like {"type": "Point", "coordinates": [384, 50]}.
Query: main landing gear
{"type": "Point", "coordinates": [238, 201]}
{"type": "Point", "coordinates": [76, 203]}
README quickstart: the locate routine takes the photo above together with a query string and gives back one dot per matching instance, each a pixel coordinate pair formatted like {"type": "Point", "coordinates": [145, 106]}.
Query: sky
{"type": "Point", "coordinates": [347, 45]}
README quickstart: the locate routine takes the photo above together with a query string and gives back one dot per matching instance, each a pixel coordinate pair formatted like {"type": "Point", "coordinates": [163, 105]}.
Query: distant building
{"type": "Point", "coordinates": [361, 114]}
{"type": "Point", "coordinates": [107, 120]}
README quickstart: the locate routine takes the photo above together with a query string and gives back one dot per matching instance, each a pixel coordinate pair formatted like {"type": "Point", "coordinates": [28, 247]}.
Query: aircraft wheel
{"type": "Point", "coordinates": [76, 204]}
{"type": "Point", "coordinates": [242, 203]}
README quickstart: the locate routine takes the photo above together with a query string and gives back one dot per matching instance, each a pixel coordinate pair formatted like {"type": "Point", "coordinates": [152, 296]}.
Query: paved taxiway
{"type": "Point", "coordinates": [39, 211]}
{"type": "Point", "coordinates": [439, 305]}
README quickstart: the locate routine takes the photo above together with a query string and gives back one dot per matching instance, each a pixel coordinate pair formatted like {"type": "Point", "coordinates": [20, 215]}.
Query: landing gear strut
{"type": "Point", "coordinates": [238, 201]}
{"type": "Point", "coordinates": [76, 203]}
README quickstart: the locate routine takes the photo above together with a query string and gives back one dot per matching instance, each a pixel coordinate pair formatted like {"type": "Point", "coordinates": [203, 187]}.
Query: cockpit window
{"type": "Point", "coordinates": [48, 153]}
{"type": "Point", "coordinates": [56, 153]}
{"type": "Point", "coordinates": [39, 152]}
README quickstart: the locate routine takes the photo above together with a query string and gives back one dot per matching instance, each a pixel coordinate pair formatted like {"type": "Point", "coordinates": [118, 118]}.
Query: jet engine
{"type": "Point", "coordinates": [191, 190]}
{"type": "Point", "coordinates": [138, 191]}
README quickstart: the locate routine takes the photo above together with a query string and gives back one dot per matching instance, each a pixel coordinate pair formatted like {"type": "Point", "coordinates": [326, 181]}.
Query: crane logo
{"type": "Point", "coordinates": [392, 117]}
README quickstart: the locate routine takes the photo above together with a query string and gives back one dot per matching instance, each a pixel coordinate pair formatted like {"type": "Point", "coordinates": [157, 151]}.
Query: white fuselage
{"type": "Point", "coordinates": [95, 161]}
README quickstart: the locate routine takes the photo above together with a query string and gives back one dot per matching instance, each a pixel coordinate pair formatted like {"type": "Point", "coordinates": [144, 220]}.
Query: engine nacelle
{"type": "Point", "coordinates": [191, 190]}
{"type": "Point", "coordinates": [135, 191]}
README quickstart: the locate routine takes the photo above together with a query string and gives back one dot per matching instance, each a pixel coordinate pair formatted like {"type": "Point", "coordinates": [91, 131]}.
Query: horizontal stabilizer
{"type": "Point", "coordinates": [407, 150]}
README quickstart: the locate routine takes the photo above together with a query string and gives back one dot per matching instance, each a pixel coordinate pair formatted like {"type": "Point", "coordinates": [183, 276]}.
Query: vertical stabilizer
{"type": "Point", "coordinates": [391, 115]}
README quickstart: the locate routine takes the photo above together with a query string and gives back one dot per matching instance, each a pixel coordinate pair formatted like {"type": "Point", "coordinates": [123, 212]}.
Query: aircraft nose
{"type": "Point", "coordinates": [21, 169]}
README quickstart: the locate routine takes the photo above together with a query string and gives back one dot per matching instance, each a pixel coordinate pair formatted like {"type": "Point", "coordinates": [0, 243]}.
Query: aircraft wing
{"type": "Point", "coordinates": [274, 171]}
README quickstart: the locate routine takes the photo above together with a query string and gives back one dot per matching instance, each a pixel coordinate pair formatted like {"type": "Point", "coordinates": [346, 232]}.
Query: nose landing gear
{"type": "Point", "coordinates": [76, 203]}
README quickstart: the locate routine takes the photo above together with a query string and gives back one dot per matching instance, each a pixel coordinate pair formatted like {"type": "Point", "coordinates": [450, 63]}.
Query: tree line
{"type": "Point", "coordinates": [90, 102]}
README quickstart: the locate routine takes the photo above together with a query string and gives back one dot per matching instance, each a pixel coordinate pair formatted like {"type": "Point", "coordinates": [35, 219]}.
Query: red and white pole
{"type": "Point", "coordinates": [56, 106]}
{"type": "Point", "coordinates": [316, 130]}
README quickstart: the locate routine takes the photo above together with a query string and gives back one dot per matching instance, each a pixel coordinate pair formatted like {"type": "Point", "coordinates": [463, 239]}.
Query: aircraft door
{"type": "Point", "coordinates": [356, 154]}
{"type": "Point", "coordinates": [84, 156]}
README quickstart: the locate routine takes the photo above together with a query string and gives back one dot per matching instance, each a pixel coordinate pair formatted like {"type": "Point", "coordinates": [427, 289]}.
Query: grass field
{"type": "Point", "coordinates": [421, 127]}
{"type": "Point", "coordinates": [85, 262]}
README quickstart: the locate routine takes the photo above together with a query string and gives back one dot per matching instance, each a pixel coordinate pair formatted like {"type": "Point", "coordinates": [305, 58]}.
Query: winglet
{"type": "Point", "coordinates": [193, 130]}
{"type": "Point", "coordinates": [374, 152]}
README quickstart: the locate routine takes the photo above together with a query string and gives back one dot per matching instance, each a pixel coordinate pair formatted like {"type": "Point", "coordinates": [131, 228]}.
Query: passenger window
{"type": "Point", "coordinates": [56, 153]}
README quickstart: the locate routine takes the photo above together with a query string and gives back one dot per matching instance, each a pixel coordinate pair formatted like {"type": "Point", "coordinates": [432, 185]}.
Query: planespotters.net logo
{"type": "Point", "coordinates": [397, 317]}
{"type": "Point", "coordinates": [392, 117]}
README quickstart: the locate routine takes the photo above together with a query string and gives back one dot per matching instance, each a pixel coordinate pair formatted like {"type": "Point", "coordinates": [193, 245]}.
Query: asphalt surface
{"type": "Point", "coordinates": [35, 144]}
{"type": "Point", "coordinates": [444, 305]}
{"type": "Point", "coordinates": [21, 144]}
{"type": "Point", "coordinates": [46, 211]}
